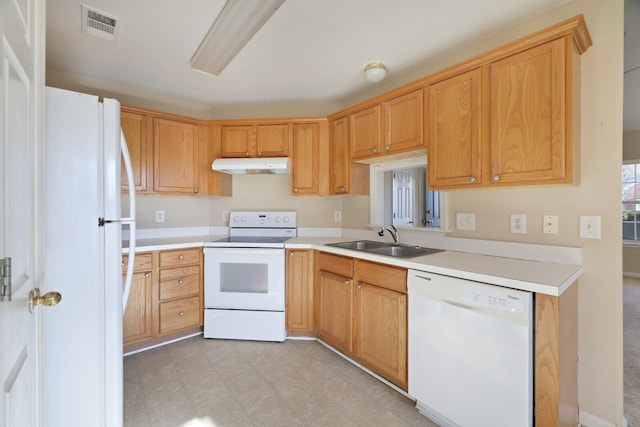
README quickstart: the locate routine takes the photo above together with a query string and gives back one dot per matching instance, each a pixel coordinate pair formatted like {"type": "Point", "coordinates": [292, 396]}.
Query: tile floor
{"type": "Point", "coordinates": [204, 383]}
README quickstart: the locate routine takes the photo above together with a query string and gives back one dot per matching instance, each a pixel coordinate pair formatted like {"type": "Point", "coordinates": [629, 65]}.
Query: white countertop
{"type": "Point", "coordinates": [534, 276]}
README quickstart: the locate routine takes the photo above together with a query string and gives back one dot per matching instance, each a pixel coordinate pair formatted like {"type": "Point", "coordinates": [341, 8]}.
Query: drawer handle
{"type": "Point", "coordinates": [147, 275]}
{"type": "Point", "coordinates": [181, 257]}
{"type": "Point", "coordinates": [181, 314]}
{"type": "Point", "coordinates": [180, 282]}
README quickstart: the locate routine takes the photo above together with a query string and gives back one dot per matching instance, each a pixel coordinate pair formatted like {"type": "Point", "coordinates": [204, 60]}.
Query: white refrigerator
{"type": "Point", "coordinates": [83, 259]}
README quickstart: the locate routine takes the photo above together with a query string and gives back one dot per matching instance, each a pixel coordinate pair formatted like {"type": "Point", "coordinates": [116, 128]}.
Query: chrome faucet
{"type": "Point", "coordinates": [392, 230]}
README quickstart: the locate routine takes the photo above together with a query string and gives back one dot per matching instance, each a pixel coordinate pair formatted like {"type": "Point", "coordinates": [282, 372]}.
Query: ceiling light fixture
{"type": "Point", "coordinates": [375, 72]}
{"type": "Point", "coordinates": [237, 23]}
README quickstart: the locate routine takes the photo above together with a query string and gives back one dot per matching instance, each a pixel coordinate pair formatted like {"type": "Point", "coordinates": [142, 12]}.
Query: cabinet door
{"type": "Point", "coordinates": [236, 141]}
{"type": "Point", "coordinates": [528, 116]}
{"type": "Point", "coordinates": [334, 312]}
{"type": "Point", "coordinates": [305, 158]}
{"type": "Point", "coordinates": [339, 154]}
{"type": "Point", "coordinates": [454, 154]}
{"type": "Point", "coordinates": [135, 128]}
{"type": "Point", "coordinates": [137, 322]}
{"type": "Point", "coordinates": [381, 331]}
{"type": "Point", "coordinates": [299, 293]}
{"type": "Point", "coordinates": [402, 124]}
{"type": "Point", "coordinates": [175, 157]}
{"type": "Point", "coordinates": [272, 140]}
{"type": "Point", "coordinates": [365, 133]}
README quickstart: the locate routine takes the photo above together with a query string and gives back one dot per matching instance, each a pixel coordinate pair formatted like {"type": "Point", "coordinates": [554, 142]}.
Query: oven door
{"type": "Point", "coordinates": [244, 278]}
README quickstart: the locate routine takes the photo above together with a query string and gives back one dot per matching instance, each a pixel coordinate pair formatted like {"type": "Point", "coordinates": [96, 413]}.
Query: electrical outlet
{"type": "Point", "coordinates": [519, 223]}
{"type": "Point", "coordinates": [550, 224]}
{"type": "Point", "coordinates": [225, 216]}
{"type": "Point", "coordinates": [590, 227]}
{"type": "Point", "coordinates": [337, 216]}
{"type": "Point", "coordinates": [159, 216]}
{"type": "Point", "coordinates": [466, 221]}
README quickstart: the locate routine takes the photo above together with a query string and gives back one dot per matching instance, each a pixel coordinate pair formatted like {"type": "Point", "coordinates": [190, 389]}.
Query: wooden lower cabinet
{"type": "Point", "coordinates": [299, 293]}
{"type": "Point", "coordinates": [166, 299]}
{"type": "Point", "coordinates": [137, 323]}
{"type": "Point", "coordinates": [334, 317]}
{"type": "Point", "coordinates": [362, 311]}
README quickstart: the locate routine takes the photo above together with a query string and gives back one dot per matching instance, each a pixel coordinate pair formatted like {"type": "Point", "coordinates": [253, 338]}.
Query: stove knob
{"type": "Point", "coordinates": [285, 219]}
{"type": "Point", "coordinates": [236, 219]}
{"type": "Point", "coordinates": [278, 219]}
{"type": "Point", "coordinates": [243, 219]}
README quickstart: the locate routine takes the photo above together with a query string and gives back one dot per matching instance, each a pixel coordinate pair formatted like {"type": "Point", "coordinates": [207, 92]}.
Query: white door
{"type": "Point", "coordinates": [403, 195]}
{"type": "Point", "coordinates": [21, 148]}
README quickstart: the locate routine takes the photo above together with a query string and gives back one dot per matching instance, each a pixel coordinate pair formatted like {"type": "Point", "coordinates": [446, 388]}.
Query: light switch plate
{"type": "Point", "coordinates": [466, 221]}
{"type": "Point", "coordinates": [590, 227]}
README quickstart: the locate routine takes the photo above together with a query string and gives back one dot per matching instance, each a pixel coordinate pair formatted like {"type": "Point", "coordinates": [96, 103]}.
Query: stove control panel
{"type": "Point", "coordinates": [262, 219]}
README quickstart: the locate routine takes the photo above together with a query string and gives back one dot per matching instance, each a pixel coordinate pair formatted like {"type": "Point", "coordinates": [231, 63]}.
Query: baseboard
{"type": "Point", "coordinates": [589, 420]}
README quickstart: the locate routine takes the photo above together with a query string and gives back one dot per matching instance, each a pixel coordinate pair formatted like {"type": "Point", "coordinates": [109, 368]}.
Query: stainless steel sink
{"type": "Point", "coordinates": [388, 249]}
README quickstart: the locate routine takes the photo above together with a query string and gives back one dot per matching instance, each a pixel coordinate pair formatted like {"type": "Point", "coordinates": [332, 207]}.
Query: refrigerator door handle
{"type": "Point", "coordinates": [131, 220]}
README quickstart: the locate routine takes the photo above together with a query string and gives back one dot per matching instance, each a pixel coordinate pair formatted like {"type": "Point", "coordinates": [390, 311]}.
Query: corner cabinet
{"type": "Point", "coordinates": [171, 154]}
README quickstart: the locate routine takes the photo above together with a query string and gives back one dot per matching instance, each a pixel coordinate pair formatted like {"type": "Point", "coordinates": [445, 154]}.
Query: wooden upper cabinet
{"type": "Point", "coordinates": [403, 123]}
{"type": "Point", "coordinates": [365, 133]}
{"type": "Point", "coordinates": [455, 138]}
{"type": "Point", "coordinates": [305, 158]}
{"type": "Point", "coordinates": [530, 110]}
{"type": "Point", "coordinates": [135, 126]}
{"type": "Point", "coordinates": [236, 141]}
{"type": "Point", "coordinates": [175, 157]}
{"type": "Point", "coordinates": [272, 140]}
{"type": "Point", "coordinates": [345, 176]}
{"type": "Point", "coordinates": [255, 140]}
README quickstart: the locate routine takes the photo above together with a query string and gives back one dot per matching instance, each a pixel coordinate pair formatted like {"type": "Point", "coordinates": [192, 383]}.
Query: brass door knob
{"type": "Point", "coordinates": [48, 300]}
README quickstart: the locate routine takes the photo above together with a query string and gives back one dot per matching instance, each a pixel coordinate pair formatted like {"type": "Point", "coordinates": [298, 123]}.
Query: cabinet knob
{"type": "Point", "coordinates": [346, 282]}
{"type": "Point", "coordinates": [124, 263]}
{"type": "Point", "coordinates": [386, 147]}
{"type": "Point", "coordinates": [472, 179]}
{"type": "Point", "coordinates": [495, 177]}
{"type": "Point", "coordinates": [374, 150]}
{"type": "Point", "coordinates": [259, 153]}
{"type": "Point", "coordinates": [359, 286]}
{"type": "Point", "coordinates": [290, 253]}
{"type": "Point", "coordinates": [246, 154]}
{"type": "Point", "coordinates": [181, 257]}
{"type": "Point", "coordinates": [341, 188]}
{"type": "Point", "coordinates": [181, 314]}
{"type": "Point", "coordinates": [180, 282]}
{"type": "Point", "coordinates": [147, 275]}
{"type": "Point", "coordinates": [295, 190]}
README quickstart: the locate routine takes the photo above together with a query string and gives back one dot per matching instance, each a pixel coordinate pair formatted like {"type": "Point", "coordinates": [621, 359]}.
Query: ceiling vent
{"type": "Point", "coordinates": [100, 24]}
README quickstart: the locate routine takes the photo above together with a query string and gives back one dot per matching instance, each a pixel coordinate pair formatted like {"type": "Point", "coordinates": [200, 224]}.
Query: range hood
{"type": "Point", "coordinates": [252, 165]}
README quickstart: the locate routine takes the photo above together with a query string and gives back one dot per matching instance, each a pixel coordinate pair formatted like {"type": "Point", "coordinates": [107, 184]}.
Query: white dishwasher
{"type": "Point", "coordinates": [470, 351]}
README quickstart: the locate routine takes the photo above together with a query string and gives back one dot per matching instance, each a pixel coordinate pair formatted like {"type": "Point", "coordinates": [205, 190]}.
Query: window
{"type": "Point", "coordinates": [631, 201]}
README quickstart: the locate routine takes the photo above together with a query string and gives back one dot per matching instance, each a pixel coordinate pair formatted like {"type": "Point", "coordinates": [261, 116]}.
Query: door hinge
{"type": "Point", "coordinates": [5, 279]}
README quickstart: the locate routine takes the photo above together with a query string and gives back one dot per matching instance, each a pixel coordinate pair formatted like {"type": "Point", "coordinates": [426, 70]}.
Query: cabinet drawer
{"type": "Point", "coordinates": [179, 314]}
{"type": "Point", "coordinates": [180, 257]}
{"type": "Point", "coordinates": [142, 262]}
{"type": "Point", "coordinates": [337, 264]}
{"type": "Point", "coordinates": [385, 276]}
{"type": "Point", "coordinates": [179, 282]}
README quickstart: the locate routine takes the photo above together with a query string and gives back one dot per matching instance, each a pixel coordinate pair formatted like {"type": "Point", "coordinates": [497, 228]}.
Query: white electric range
{"type": "Point", "coordinates": [244, 277]}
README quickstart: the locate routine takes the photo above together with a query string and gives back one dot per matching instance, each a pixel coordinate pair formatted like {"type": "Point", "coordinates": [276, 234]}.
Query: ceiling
{"type": "Point", "coordinates": [310, 50]}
